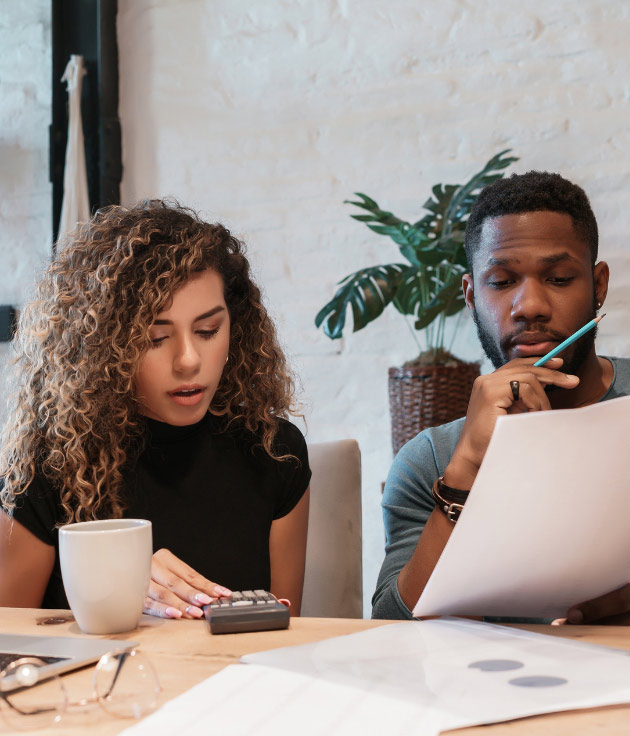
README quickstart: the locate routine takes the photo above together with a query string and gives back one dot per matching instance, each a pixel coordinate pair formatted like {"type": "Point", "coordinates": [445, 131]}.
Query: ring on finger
{"type": "Point", "coordinates": [515, 386]}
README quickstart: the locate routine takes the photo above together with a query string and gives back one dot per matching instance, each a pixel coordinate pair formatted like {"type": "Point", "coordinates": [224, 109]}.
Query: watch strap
{"type": "Point", "coordinates": [450, 501]}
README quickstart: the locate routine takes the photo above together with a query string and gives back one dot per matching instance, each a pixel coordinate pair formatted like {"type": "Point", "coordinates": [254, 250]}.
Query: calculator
{"type": "Point", "coordinates": [246, 610]}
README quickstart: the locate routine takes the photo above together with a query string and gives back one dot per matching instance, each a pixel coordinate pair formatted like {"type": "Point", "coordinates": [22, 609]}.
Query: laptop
{"type": "Point", "coordinates": [60, 653]}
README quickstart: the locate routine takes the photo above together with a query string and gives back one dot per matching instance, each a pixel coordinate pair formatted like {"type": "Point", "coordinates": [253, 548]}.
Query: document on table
{"type": "Point", "coordinates": [546, 523]}
{"type": "Point", "coordinates": [416, 677]}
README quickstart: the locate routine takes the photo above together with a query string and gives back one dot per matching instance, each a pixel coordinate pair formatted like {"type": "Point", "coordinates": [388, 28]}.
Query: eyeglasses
{"type": "Point", "coordinates": [124, 684]}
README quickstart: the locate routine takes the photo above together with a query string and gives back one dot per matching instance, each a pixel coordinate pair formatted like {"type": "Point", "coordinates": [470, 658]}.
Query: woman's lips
{"type": "Point", "coordinates": [189, 397]}
{"type": "Point", "coordinates": [531, 349]}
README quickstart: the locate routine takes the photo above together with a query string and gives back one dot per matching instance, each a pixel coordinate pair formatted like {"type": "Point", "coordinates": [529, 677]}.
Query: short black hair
{"type": "Point", "coordinates": [534, 191]}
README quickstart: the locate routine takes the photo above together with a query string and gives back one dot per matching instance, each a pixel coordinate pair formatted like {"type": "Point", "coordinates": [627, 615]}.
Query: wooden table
{"type": "Point", "coordinates": [184, 653]}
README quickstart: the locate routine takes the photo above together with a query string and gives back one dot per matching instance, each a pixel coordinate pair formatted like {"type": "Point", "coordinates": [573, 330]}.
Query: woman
{"type": "Point", "coordinates": [151, 385]}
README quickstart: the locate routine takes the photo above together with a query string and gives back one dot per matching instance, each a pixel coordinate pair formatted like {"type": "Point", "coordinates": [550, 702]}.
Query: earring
{"type": "Point", "coordinates": [599, 305]}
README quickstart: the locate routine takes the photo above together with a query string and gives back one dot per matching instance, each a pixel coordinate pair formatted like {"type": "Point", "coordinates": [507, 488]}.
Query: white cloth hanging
{"type": "Point", "coordinates": [76, 204]}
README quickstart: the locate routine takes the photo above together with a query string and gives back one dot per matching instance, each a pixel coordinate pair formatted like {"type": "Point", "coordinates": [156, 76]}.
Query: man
{"type": "Point", "coordinates": [531, 245]}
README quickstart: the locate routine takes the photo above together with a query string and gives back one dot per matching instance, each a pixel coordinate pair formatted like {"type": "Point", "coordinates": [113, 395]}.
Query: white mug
{"type": "Point", "coordinates": [106, 570]}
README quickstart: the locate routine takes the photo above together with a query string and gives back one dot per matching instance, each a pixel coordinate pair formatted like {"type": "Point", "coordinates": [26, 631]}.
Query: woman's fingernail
{"type": "Point", "coordinates": [173, 612]}
{"type": "Point", "coordinates": [575, 616]}
{"type": "Point", "coordinates": [220, 590]}
{"type": "Point", "coordinates": [194, 611]}
{"type": "Point", "coordinates": [203, 599]}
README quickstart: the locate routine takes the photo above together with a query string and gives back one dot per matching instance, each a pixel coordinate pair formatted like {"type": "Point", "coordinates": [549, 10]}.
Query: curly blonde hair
{"type": "Point", "coordinates": [75, 420]}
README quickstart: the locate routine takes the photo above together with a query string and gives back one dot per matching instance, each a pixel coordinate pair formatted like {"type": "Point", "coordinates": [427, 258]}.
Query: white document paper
{"type": "Point", "coordinates": [419, 677]}
{"type": "Point", "coordinates": [547, 523]}
{"type": "Point", "coordinates": [253, 700]}
{"type": "Point", "coordinates": [459, 673]}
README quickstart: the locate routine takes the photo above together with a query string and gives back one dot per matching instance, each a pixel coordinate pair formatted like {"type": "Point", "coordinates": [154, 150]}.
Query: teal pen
{"type": "Point", "coordinates": [576, 335]}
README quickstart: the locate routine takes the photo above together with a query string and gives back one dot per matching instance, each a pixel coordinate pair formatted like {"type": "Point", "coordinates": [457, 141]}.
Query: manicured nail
{"type": "Point", "coordinates": [194, 611]}
{"type": "Point", "coordinates": [173, 612]}
{"type": "Point", "coordinates": [203, 599]}
{"type": "Point", "coordinates": [220, 590]}
{"type": "Point", "coordinates": [575, 616]}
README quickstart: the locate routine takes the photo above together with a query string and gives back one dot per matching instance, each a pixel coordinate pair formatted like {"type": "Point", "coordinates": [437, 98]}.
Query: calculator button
{"type": "Point", "coordinates": [243, 612]}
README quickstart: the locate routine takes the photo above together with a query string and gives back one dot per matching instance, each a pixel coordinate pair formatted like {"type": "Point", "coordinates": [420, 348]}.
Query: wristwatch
{"type": "Point", "coordinates": [449, 500]}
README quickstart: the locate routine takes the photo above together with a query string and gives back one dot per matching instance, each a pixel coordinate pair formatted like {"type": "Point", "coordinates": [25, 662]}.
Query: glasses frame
{"type": "Point", "coordinates": [122, 655]}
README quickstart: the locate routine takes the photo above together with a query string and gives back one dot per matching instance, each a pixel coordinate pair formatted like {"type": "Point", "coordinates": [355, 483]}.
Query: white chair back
{"type": "Point", "coordinates": [333, 585]}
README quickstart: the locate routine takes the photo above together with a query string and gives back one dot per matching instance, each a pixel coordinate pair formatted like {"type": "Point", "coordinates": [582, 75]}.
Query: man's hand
{"type": "Point", "coordinates": [491, 398]}
{"type": "Point", "coordinates": [612, 608]}
{"type": "Point", "coordinates": [176, 590]}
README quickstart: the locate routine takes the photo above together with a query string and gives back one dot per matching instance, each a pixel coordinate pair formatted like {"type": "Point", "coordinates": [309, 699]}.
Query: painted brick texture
{"type": "Point", "coordinates": [25, 192]}
{"type": "Point", "coordinates": [267, 115]}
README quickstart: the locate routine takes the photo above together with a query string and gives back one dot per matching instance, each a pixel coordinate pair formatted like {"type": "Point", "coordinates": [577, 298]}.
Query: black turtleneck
{"type": "Point", "coordinates": [210, 493]}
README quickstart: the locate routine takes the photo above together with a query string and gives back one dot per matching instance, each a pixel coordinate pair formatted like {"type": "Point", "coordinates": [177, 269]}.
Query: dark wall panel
{"type": "Point", "coordinates": [87, 27]}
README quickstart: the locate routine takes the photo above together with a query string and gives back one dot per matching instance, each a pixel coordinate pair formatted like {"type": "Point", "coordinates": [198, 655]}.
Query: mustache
{"type": "Point", "coordinates": [553, 335]}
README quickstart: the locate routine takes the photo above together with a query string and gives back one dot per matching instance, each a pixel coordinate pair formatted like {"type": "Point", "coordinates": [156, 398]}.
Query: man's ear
{"type": "Point", "coordinates": [601, 274]}
{"type": "Point", "coordinates": [467, 287]}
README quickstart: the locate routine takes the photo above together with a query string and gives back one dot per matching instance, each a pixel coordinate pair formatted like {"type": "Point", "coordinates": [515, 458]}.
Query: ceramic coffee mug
{"type": "Point", "coordinates": [106, 569]}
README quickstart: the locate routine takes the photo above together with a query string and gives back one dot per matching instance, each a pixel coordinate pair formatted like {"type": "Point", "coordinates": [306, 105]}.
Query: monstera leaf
{"type": "Point", "coordinates": [429, 288]}
{"type": "Point", "coordinates": [444, 300]}
{"type": "Point", "coordinates": [408, 238]}
{"type": "Point", "coordinates": [463, 199]}
{"type": "Point", "coordinates": [367, 292]}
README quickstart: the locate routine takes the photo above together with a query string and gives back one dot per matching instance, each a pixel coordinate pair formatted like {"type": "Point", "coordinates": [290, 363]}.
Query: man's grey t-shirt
{"type": "Point", "coordinates": [407, 501]}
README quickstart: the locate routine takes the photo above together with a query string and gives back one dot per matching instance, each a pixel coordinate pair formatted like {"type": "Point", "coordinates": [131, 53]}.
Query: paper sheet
{"type": "Point", "coordinates": [408, 678]}
{"type": "Point", "coordinates": [245, 700]}
{"type": "Point", "coordinates": [547, 522]}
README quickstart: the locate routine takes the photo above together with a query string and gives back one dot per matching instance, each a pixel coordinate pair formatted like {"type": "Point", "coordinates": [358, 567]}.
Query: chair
{"type": "Point", "coordinates": [333, 585]}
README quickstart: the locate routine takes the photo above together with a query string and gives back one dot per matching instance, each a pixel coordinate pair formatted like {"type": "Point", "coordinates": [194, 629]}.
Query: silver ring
{"type": "Point", "coordinates": [188, 610]}
{"type": "Point", "coordinates": [515, 385]}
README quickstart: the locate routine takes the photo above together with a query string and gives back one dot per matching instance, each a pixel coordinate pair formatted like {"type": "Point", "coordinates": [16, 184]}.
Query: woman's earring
{"type": "Point", "coordinates": [599, 305]}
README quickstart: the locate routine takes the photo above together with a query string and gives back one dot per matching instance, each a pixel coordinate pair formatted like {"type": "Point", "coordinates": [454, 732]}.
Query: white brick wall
{"type": "Point", "coordinates": [267, 115]}
{"type": "Point", "coordinates": [25, 192]}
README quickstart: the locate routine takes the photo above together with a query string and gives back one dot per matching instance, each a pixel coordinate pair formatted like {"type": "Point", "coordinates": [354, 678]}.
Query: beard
{"type": "Point", "coordinates": [497, 353]}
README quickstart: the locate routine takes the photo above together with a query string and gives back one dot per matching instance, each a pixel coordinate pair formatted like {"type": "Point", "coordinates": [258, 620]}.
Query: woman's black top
{"type": "Point", "coordinates": [210, 493]}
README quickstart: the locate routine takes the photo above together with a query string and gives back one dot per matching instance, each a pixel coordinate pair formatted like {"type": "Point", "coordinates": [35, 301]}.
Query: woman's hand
{"type": "Point", "coordinates": [178, 591]}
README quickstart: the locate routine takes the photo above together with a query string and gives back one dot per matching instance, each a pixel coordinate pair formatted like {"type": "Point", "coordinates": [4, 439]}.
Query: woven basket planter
{"type": "Point", "coordinates": [426, 396]}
